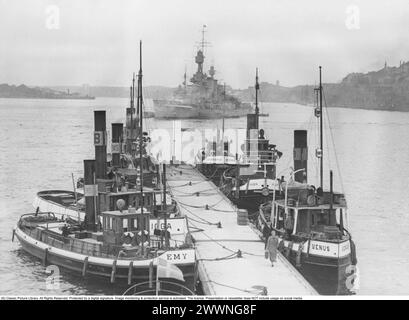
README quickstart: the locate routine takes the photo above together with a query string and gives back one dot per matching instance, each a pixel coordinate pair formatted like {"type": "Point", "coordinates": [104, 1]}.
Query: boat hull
{"type": "Point", "coordinates": [44, 203]}
{"type": "Point", "coordinates": [114, 271]}
{"type": "Point", "coordinates": [327, 275]}
{"type": "Point", "coordinates": [251, 200]}
{"type": "Point", "coordinates": [167, 110]}
{"type": "Point", "coordinates": [214, 171]}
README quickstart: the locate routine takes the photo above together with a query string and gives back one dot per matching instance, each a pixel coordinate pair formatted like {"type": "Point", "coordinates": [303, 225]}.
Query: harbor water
{"type": "Point", "coordinates": [42, 142]}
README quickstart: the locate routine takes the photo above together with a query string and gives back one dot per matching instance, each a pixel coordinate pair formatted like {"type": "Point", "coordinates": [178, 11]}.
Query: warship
{"type": "Point", "coordinates": [204, 98]}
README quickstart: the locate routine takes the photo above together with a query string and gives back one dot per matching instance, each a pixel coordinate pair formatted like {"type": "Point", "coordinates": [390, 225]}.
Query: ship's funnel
{"type": "Point", "coordinates": [300, 155]}
{"type": "Point", "coordinates": [252, 135]}
{"type": "Point", "coordinates": [116, 146]}
{"type": "Point", "coordinates": [90, 192]}
{"type": "Point", "coordinates": [100, 138]}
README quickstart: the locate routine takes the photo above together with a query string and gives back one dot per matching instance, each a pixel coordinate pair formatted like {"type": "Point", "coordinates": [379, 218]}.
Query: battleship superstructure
{"type": "Point", "coordinates": [204, 98]}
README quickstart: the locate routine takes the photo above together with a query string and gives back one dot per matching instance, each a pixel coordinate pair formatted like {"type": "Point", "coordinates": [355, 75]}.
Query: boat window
{"type": "Point", "coordinates": [345, 217]}
{"type": "Point", "coordinates": [280, 222]}
{"type": "Point", "coordinates": [302, 222]}
{"type": "Point", "coordinates": [338, 214]}
{"type": "Point", "coordinates": [322, 218]}
{"type": "Point", "coordinates": [125, 223]}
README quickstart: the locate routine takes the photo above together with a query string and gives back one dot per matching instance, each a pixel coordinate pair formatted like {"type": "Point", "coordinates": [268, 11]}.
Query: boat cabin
{"type": "Point", "coordinates": [130, 226]}
{"type": "Point", "coordinates": [311, 217]}
{"type": "Point", "coordinates": [132, 198]}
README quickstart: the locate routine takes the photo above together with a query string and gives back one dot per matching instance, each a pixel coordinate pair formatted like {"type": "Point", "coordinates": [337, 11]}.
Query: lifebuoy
{"type": "Point", "coordinates": [265, 192]}
{"type": "Point", "coordinates": [311, 200]}
{"type": "Point", "coordinates": [139, 236]}
{"type": "Point", "coordinates": [127, 238]}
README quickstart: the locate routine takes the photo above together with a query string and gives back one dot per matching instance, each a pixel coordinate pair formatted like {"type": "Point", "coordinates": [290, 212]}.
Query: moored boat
{"type": "Point", "coordinates": [312, 224]}
{"type": "Point", "coordinates": [313, 233]}
{"type": "Point", "coordinates": [117, 228]}
{"type": "Point", "coordinates": [127, 254]}
{"type": "Point", "coordinates": [251, 180]}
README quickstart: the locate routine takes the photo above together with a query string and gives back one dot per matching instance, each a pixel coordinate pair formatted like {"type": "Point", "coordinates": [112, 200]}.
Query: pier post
{"type": "Point", "coordinates": [117, 129]}
{"type": "Point", "coordinates": [100, 138]}
{"type": "Point", "coordinates": [300, 155]}
{"type": "Point", "coordinates": [91, 192]}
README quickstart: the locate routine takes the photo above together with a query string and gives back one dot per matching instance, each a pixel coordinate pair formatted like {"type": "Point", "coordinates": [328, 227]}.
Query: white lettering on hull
{"type": "Point", "coordinates": [324, 249]}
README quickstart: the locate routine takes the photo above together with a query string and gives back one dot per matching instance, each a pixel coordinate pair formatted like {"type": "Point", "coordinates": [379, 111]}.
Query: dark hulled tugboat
{"type": "Point", "coordinates": [312, 224]}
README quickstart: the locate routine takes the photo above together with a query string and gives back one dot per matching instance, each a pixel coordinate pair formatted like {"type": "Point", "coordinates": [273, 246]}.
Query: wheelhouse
{"type": "Point", "coordinates": [313, 217]}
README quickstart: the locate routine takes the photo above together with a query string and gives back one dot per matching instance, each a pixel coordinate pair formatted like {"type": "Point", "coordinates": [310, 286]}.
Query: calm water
{"type": "Point", "coordinates": [43, 141]}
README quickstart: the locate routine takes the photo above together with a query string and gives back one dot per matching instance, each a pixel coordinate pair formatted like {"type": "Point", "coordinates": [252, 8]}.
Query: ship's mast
{"type": "Point", "coordinates": [321, 135]}
{"type": "Point", "coordinates": [132, 104]}
{"type": "Point", "coordinates": [202, 43]}
{"type": "Point", "coordinates": [257, 86]}
{"type": "Point", "coordinates": [140, 102]}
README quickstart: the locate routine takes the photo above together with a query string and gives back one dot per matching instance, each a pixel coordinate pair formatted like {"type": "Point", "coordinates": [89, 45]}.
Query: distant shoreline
{"type": "Point", "coordinates": [24, 92]}
{"type": "Point", "coordinates": [45, 98]}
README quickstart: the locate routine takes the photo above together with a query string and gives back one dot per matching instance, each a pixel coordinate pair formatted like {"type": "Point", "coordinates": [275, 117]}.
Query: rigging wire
{"type": "Point", "coordinates": [333, 146]}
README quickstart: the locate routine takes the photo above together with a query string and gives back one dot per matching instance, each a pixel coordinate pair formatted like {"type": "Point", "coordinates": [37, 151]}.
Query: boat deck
{"type": "Point", "coordinates": [221, 271]}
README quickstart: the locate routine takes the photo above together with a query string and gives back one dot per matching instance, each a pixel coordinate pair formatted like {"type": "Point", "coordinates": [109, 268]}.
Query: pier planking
{"type": "Point", "coordinates": [221, 272]}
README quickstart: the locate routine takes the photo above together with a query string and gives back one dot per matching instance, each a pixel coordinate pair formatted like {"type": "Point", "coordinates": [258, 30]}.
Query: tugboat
{"type": "Point", "coordinates": [312, 223]}
{"type": "Point", "coordinates": [251, 180]}
{"type": "Point", "coordinates": [123, 169]}
{"type": "Point", "coordinates": [250, 185]}
{"type": "Point", "coordinates": [203, 99]}
{"type": "Point", "coordinates": [119, 238]}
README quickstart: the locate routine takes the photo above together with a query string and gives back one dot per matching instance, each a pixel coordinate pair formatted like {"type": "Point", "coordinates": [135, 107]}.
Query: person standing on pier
{"type": "Point", "coordinates": [271, 247]}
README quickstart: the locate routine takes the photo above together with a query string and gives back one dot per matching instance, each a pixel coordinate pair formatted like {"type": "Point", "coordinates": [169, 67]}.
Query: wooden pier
{"type": "Point", "coordinates": [231, 256]}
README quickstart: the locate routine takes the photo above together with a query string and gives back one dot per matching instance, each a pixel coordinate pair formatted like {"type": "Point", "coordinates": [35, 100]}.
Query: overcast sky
{"type": "Point", "coordinates": [96, 42]}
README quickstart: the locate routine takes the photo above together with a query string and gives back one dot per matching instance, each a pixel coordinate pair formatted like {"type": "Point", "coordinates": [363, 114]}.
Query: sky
{"type": "Point", "coordinates": [74, 42]}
